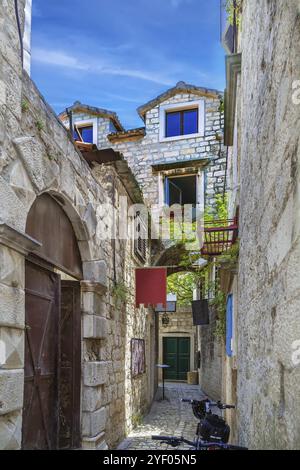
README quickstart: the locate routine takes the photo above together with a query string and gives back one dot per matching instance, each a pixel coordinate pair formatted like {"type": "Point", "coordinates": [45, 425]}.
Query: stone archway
{"type": "Point", "coordinates": [51, 412]}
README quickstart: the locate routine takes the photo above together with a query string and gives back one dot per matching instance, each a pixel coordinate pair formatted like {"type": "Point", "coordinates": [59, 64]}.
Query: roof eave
{"type": "Point", "coordinates": [210, 93]}
{"type": "Point", "coordinates": [93, 111]}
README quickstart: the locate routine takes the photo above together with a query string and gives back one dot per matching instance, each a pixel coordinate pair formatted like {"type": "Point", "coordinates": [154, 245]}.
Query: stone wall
{"type": "Point", "coordinates": [269, 278]}
{"type": "Point", "coordinates": [37, 156]}
{"type": "Point", "coordinates": [143, 153]}
{"type": "Point", "coordinates": [146, 150]}
{"type": "Point", "coordinates": [210, 372]}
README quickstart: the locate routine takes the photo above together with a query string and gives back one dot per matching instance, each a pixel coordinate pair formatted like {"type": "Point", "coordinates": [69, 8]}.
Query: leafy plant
{"type": "Point", "coordinates": [40, 125]}
{"type": "Point", "coordinates": [120, 292]}
{"type": "Point", "coordinates": [234, 8]}
{"type": "Point", "coordinates": [183, 284]}
{"type": "Point", "coordinates": [25, 106]}
{"type": "Point", "coordinates": [136, 420]}
{"type": "Point", "coordinates": [213, 215]}
{"type": "Point", "coordinates": [221, 107]}
{"type": "Point", "coordinates": [230, 257]}
{"type": "Point", "coordinates": [219, 303]}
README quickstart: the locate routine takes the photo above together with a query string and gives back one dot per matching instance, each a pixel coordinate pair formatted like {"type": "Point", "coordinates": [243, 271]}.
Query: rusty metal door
{"type": "Point", "coordinates": [40, 412]}
{"type": "Point", "coordinates": [70, 366]}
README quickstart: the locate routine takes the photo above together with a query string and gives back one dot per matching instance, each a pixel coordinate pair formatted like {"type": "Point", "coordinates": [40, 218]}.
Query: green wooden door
{"type": "Point", "coordinates": [176, 354]}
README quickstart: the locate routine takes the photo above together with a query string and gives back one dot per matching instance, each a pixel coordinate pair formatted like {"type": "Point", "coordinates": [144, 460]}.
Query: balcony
{"type": "Point", "coordinates": [219, 236]}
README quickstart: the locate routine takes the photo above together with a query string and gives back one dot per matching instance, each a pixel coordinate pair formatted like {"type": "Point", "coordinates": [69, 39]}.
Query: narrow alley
{"type": "Point", "coordinates": [149, 227]}
{"type": "Point", "coordinates": [169, 417]}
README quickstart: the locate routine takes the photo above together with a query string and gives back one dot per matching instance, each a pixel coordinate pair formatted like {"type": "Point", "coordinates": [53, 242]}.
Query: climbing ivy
{"type": "Point", "coordinates": [230, 257]}
{"type": "Point", "coordinates": [229, 7]}
{"type": "Point", "coordinates": [183, 283]}
{"type": "Point", "coordinates": [219, 303]}
{"type": "Point", "coordinates": [120, 292]}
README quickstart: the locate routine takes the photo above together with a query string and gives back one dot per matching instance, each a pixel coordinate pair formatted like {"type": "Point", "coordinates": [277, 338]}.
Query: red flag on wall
{"type": "Point", "coordinates": [151, 286]}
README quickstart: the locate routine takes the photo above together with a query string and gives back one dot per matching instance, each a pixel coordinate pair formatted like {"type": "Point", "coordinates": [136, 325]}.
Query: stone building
{"type": "Point", "coordinates": [182, 140]}
{"type": "Point", "coordinates": [262, 122]}
{"type": "Point", "coordinates": [178, 157]}
{"type": "Point", "coordinates": [65, 332]}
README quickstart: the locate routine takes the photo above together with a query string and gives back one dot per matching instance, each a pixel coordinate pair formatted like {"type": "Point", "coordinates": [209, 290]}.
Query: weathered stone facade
{"type": "Point", "coordinates": [266, 157]}
{"type": "Point", "coordinates": [210, 371]}
{"type": "Point", "coordinates": [37, 156]}
{"type": "Point", "coordinates": [144, 148]}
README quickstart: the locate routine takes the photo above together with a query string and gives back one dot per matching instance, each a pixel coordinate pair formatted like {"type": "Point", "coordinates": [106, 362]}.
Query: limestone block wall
{"type": "Point", "coordinates": [210, 372]}
{"type": "Point", "coordinates": [37, 156]}
{"type": "Point", "coordinates": [269, 278]}
{"type": "Point", "coordinates": [143, 153]}
{"type": "Point", "coordinates": [128, 398]}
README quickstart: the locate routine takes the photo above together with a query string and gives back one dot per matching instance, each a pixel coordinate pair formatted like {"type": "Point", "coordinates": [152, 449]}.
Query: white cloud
{"type": "Point", "coordinates": [57, 58]}
{"type": "Point", "coordinates": [65, 60]}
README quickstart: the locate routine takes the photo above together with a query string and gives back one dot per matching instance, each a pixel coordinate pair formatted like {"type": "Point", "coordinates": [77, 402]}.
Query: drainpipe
{"type": "Point", "coordinates": [27, 37]}
{"type": "Point", "coordinates": [19, 29]}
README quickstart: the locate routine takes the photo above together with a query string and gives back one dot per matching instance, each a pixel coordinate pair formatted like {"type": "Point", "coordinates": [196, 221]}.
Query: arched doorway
{"type": "Point", "coordinates": [51, 413]}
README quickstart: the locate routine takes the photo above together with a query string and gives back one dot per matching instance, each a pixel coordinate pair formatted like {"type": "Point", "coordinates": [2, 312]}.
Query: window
{"type": "Point", "coordinates": [180, 190]}
{"type": "Point", "coordinates": [83, 133]}
{"type": "Point", "coordinates": [182, 122]}
{"type": "Point", "coordinates": [141, 237]}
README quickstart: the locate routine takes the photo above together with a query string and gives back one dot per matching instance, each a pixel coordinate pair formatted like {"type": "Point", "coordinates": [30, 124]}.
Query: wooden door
{"type": "Point", "coordinates": [42, 306]}
{"type": "Point", "coordinates": [70, 366]}
{"type": "Point", "coordinates": [176, 353]}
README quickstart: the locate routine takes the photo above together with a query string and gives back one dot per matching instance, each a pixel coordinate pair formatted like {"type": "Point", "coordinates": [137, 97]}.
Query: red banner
{"type": "Point", "coordinates": [151, 286]}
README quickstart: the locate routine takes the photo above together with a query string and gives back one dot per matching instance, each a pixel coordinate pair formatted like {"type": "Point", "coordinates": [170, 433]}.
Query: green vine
{"type": "Point", "coordinates": [25, 106]}
{"type": "Point", "coordinates": [229, 258]}
{"type": "Point", "coordinates": [219, 303]}
{"type": "Point", "coordinates": [120, 292]}
{"type": "Point", "coordinates": [136, 420]}
{"type": "Point", "coordinates": [40, 125]}
{"type": "Point", "coordinates": [229, 7]}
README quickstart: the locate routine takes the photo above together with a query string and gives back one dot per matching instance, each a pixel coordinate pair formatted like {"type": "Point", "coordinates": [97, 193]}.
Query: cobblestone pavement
{"type": "Point", "coordinates": [169, 417]}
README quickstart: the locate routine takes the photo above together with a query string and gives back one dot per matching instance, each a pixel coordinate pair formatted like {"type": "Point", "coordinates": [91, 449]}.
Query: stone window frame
{"type": "Point", "coordinates": [200, 104]}
{"type": "Point", "coordinates": [89, 122]}
{"type": "Point", "coordinates": [182, 334]}
{"type": "Point", "coordinates": [200, 183]}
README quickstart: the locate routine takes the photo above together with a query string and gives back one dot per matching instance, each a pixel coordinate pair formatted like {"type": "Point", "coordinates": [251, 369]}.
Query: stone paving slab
{"type": "Point", "coordinates": [170, 417]}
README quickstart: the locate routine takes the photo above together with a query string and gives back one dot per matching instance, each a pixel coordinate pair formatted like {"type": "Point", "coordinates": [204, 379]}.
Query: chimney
{"type": "Point", "coordinates": [27, 37]}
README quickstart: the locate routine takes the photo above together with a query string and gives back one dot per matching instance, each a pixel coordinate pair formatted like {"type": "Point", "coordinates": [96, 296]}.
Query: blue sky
{"type": "Point", "coordinates": [119, 54]}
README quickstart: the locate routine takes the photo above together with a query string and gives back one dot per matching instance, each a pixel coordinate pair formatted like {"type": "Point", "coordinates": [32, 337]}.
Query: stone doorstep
{"type": "Point", "coordinates": [94, 443]}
